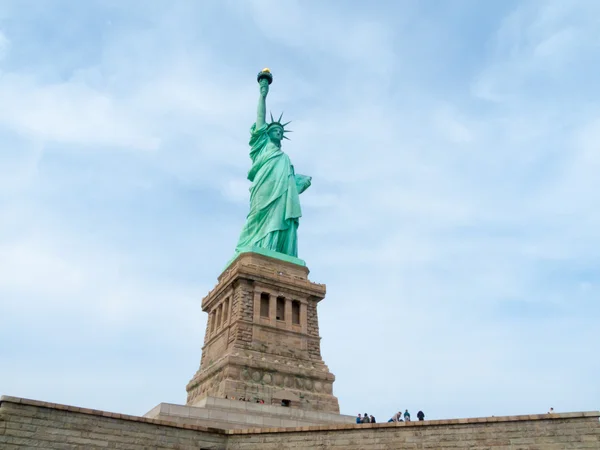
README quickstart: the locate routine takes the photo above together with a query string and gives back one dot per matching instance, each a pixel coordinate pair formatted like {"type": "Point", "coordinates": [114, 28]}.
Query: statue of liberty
{"type": "Point", "coordinates": [272, 223]}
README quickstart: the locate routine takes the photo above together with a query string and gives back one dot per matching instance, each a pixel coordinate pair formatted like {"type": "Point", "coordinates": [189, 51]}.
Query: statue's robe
{"type": "Point", "coordinates": [272, 222]}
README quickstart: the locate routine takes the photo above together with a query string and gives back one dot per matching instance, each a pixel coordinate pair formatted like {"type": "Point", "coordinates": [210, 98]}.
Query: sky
{"type": "Point", "coordinates": [454, 212]}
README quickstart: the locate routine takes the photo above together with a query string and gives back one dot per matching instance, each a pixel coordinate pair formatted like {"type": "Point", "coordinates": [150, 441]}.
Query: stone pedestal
{"type": "Point", "coordinates": [262, 338]}
{"type": "Point", "coordinates": [239, 415]}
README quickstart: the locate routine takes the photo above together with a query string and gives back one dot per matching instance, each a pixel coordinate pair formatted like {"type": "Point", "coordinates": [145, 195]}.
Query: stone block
{"type": "Point", "coordinates": [255, 356]}
{"type": "Point", "coordinates": [199, 413]}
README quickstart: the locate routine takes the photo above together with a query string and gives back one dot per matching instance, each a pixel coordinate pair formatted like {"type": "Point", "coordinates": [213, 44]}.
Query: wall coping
{"type": "Point", "coordinates": [425, 423]}
{"type": "Point", "coordinates": [329, 427]}
{"type": "Point", "coordinates": [111, 415]}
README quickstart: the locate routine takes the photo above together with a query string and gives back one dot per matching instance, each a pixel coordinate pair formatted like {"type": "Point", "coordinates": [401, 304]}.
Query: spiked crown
{"type": "Point", "coordinates": [278, 123]}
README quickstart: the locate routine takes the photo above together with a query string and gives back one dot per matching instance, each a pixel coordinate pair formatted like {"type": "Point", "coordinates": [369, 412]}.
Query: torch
{"type": "Point", "coordinates": [264, 74]}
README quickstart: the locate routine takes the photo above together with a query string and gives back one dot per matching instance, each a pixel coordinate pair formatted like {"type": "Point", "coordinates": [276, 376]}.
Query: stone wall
{"type": "Point", "coordinates": [539, 432]}
{"type": "Point", "coordinates": [32, 424]}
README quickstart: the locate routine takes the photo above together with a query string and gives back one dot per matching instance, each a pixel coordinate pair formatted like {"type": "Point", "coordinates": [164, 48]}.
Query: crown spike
{"type": "Point", "coordinates": [285, 137]}
{"type": "Point", "coordinates": [288, 131]}
{"type": "Point", "coordinates": [286, 123]}
{"type": "Point", "coordinates": [279, 120]}
{"type": "Point", "coordinates": [271, 116]}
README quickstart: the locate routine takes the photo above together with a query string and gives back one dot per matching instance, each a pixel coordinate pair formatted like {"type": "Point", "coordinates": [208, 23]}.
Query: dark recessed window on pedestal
{"type": "Point", "coordinates": [219, 315]}
{"type": "Point", "coordinates": [280, 308]}
{"type": "Point", "coordinates": [264, 304]}
{"type": "Point", "coordinates": [296, 312]}
{"type": "Point", "coordinates": [225, 310]}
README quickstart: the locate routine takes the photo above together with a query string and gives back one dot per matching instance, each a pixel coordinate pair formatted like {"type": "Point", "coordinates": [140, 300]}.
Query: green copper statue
{"type": "Point", "coordinates": [272, 223]}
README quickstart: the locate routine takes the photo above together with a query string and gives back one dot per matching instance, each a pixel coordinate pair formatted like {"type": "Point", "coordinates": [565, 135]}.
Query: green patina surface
{"type": "Point", "coordinates": [267, 252]}
{"type": "Point", "coordinates": [271, 226]}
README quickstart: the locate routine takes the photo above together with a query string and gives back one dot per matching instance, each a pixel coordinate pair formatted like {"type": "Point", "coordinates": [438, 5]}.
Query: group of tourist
{"type": "Point", "coordinates": [399, 417]}
{"type": "Point", "coordinates": [365, 419]}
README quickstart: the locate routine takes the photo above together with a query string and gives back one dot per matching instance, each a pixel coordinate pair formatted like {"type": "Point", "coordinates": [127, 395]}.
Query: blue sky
{"type": "Point", "coordinates": [454, 212]}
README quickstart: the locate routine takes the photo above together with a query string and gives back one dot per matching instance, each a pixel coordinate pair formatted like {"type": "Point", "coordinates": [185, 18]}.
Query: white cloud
{"type": "Point", "coordinates": [237, 190]}
{"type": "Point", "coordinates": [4, 45]}
{"type": "Point", "coordinates": [452, 127]}
{"type": "Point", "coordinates": [541, 44]}
{"type": "Point", "coordinates": [456, 236]}
{"type": "Point", "coordinates": [319, 29]}
{"type": "Point", "coordinates": [31, 268]}
{"type": "Point", "coordinates": [70, 113]}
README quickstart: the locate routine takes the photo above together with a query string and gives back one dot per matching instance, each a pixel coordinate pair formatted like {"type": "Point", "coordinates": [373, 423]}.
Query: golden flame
{"type": "Point", "coordinates": [266, 69]}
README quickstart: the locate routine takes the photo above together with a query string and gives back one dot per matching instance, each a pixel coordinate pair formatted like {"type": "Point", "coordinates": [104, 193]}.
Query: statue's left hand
{"type": "Point", "coordinates": [303, 182]}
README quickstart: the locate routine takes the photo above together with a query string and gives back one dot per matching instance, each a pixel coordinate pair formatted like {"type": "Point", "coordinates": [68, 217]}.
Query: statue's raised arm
{"type": "Point", "coordinates": [264, 79]}
{"type": "Point", "coordinates": [272, 223]}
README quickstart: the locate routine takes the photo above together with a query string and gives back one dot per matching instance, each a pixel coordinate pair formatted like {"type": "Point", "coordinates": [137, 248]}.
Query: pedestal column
{"type": "Point", "coordinates": [264, 359]}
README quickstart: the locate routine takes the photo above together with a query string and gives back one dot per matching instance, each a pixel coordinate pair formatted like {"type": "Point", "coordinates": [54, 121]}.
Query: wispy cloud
{"type": "Point", "coordinates": [454, 156]}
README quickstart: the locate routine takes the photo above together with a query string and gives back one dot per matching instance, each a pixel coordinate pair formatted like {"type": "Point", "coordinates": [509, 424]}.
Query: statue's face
{"type": "Point", "coordinates": [276, 134]}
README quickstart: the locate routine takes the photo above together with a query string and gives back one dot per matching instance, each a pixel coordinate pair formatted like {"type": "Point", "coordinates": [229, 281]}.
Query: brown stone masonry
{"type": "Point", "coordinates": [535, 432]}
{"type": "Point", "coordinates": [262, 337]}
{"type": "Point", "coordinates": [33, 424]}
